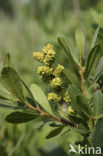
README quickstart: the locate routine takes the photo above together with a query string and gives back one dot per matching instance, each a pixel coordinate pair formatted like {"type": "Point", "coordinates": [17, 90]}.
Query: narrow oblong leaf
{"type": "Point", "coordinates": [79, 102]}
{"type": "Point", "coordinates": [98, 103]}
{"type": "Point", "coordinates": [80, 42]}
{"type": "Point", "coordinates": [98, 70]}
{"type": "Point", "coordinates": [98, 17]}
{"type": "Point", "coordinates": [11, 81]}
{"type": "Point", "coordinates": [71, 61]}
{"type": "Point", "coordinates": [92, 59]}
{"type": "Point", "coordinates": [83, 107]}
{"type": "Point", "coordinates": [94, 37]}
{"type": "Point", "coordinates": [97, 137]}
{"type": "Point", "coordinates": [54, 132]}
{"type": "Point", "coordinates": [19, 117]}
{"type": "Point", "coordinates": [3, 98]}
{"type": "Point", "coordinates": [40, 97]}
{"type": "Point", "coordinates": [72, 77]}
{"type": "Point", "coordinates": [73, 92]}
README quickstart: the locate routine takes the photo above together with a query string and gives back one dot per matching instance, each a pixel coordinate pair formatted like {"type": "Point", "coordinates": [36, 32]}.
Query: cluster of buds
{"type": "Point", "coordinates": [47, 56]}
{"type": "Point", "coordinates": [51, 74]}
{"type": "Point", "coordinates": [54, 97]}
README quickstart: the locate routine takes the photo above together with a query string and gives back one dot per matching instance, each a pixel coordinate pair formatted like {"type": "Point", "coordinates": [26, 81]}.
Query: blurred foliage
{"type": "Point", "coordinates": [34, 24]}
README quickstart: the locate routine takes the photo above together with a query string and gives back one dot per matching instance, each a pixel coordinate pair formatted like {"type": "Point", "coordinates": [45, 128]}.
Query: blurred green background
{"type": "Point", "coordinates": [26, 26]}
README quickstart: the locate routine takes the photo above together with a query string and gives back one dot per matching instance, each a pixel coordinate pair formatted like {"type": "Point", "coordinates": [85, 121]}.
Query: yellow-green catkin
{"type": "Point", "coordinates": [44, 70]}
{"type": "Point", "coordinates": [70, 110]}
{"type": "Point", "coordinates": [38, 56]}
{"type": "Point", "coordinates": [66, 97]}
{"type": "Point", "coordinates": [54, 97]}
{"type": "Point", "coordinates": [49, 54]}
{"type": "Point", "coordinates": [58, 70]}
{"type": "Point", "coordinates": [56, 82]}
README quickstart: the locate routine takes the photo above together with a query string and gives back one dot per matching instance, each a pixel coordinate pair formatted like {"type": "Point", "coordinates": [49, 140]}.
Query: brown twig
{"type": "Point", "coordinates": [82, 79]}
{"type": "Point", "coordinates": [51, 116]}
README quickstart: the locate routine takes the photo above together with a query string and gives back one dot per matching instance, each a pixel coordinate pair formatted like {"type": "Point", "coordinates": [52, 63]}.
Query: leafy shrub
{"type": "Point", "coordinates": [74, 95]}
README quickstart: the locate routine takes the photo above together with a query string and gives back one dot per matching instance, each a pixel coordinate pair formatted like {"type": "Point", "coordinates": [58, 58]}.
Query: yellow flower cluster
{"type": "Point", "coordinates": [56, 82]}
{"type": "Point", "coordinates": [54, 97]}
{"type": "Point", "coordinates": [38, 56]}
{"type": "Point", "coordinates": [58, 70]}
{"type": "Point", "coordinates": [66, 97]}
{"type": "Point", "coordinates": [70, 110]}
{"type": "Point", "coordinates": [51, 74]}
{"type": "Point", "coordinates": [44, 70]}
{"type": "Point", "coordinates": [47, 56]}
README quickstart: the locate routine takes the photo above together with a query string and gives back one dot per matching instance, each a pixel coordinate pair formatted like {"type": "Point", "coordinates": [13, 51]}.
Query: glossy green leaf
{"type": "Point", "coordinates": [98, 70]}
{"type": "Point", "coordinates": [80, 42]}
{"type": "Point", "coordinates": [71, 61]}
{"type": "Point", "coordinates": [31, 100]}
{"type": "Point", "coordinates": [94, 37]}
{"type": "Point", "coordinates": [54, 132]}
{"type": "Point", "coordinates": [72, 77]}
{"type": "Point", "coordinates": [11, 81]}
{"type": "Point", "coordinates": [97, 138]}
{"type": "Point", "coordinates": [83, 107]}
{"type": "Point", "coordinates": [73, 92]}
{"type": "Point", "coordinates": [79, 102]}
{"type": "Point", "coordinates": [6, 60]}
{"type": "Point", "coordinates": [19, 117]}
{"type": "Point", "coordinates": [40, 97]}
{"type": "Point", "coordinates": [3, 98]}
{"type": "Point", "coordinates": [98, 17]}
{"type": "Point", "coordinates": [98, 103]}
{"type": "Point", "coordinates": [92, 59]}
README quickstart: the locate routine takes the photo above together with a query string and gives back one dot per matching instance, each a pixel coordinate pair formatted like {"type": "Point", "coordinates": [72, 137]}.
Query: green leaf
{"type": "Point", "coordinates": [98, 70]}
{"type": "Point", "coordinates": [80, 42]}
{"type": "Point", "coordinates": [92, 59]}
{"type": "Point", "coordinates": [97, 137]}
{"type": "Point", "coordinates": [94, 37]}
{"type": "Point", "coordinates": [40, 97]}
{"type": "Point", "coordinates": [7, 106]}
{"type": "Point", "coordinates": [31, 100]}
{"type": "Point", "coordinates": [19, 117]}
{"type": "Point", "coordinates": [54, 132]}
{"type": "Point", "coordinates": [72, 77]}
{"type": "Point", "coordinates": [79, 102]}
{"type": "Point", "coordinates": [98, 17]}
{"type": "Point", "coordinates": [83, 107]}
{"type": "Point", "coordinates": [98, 103]}
{"type": "Point", "coordinates": [27, 88]}
{"type": "Point", "coordinates": [6, 60]}
{"type": "Point", "coordinates": [3, 98]}
{"type": "Point", "coordinates": [73, 92]}
{"type": "Point", "coordinates": [11, 81]}
{"type": "Point", "coordinates": [71, 61]}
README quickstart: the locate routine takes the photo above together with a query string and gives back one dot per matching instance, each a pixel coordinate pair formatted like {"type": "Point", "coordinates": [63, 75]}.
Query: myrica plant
{"type": "Point", "coordinates": [75, 99]}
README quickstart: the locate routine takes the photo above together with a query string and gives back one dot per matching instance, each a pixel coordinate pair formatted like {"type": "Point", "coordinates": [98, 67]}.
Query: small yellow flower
{"type": "Point", "coordinates": [49, 57]}
{"type": "Point", "coordinates": [70, 110]}
{"type": "Point", "coordinates": [66, 98]}
{"type": "Point", "coordinates": [58, 70]}
{"type": "Point", "coordinates": [38, 56]}
{"type": "Point", "coordinates": [45, 70]}
{"type": "Point", "coordinates": [47, 48]}
{"type": "Point", "coordinates": [54, 97]}
{"type": "Point", "coordinates": [56, 82]}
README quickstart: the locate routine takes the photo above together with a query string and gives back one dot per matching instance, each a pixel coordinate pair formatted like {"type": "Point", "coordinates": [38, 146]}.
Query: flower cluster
{"type": "Point", "coordinates": [50, 74]}
{"type": "Point", "coordinates": [54, 97]}
{"type": "Point", "coordinates": [66, 97]}
{"type": "Point", "coordinates": [47, 56]}
{"type": "Point", "coordinates": [56, 82]}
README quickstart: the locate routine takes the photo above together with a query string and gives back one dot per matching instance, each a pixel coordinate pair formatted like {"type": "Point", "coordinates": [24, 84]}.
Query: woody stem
{"type": "Point", "coordinates": [51, 116]}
